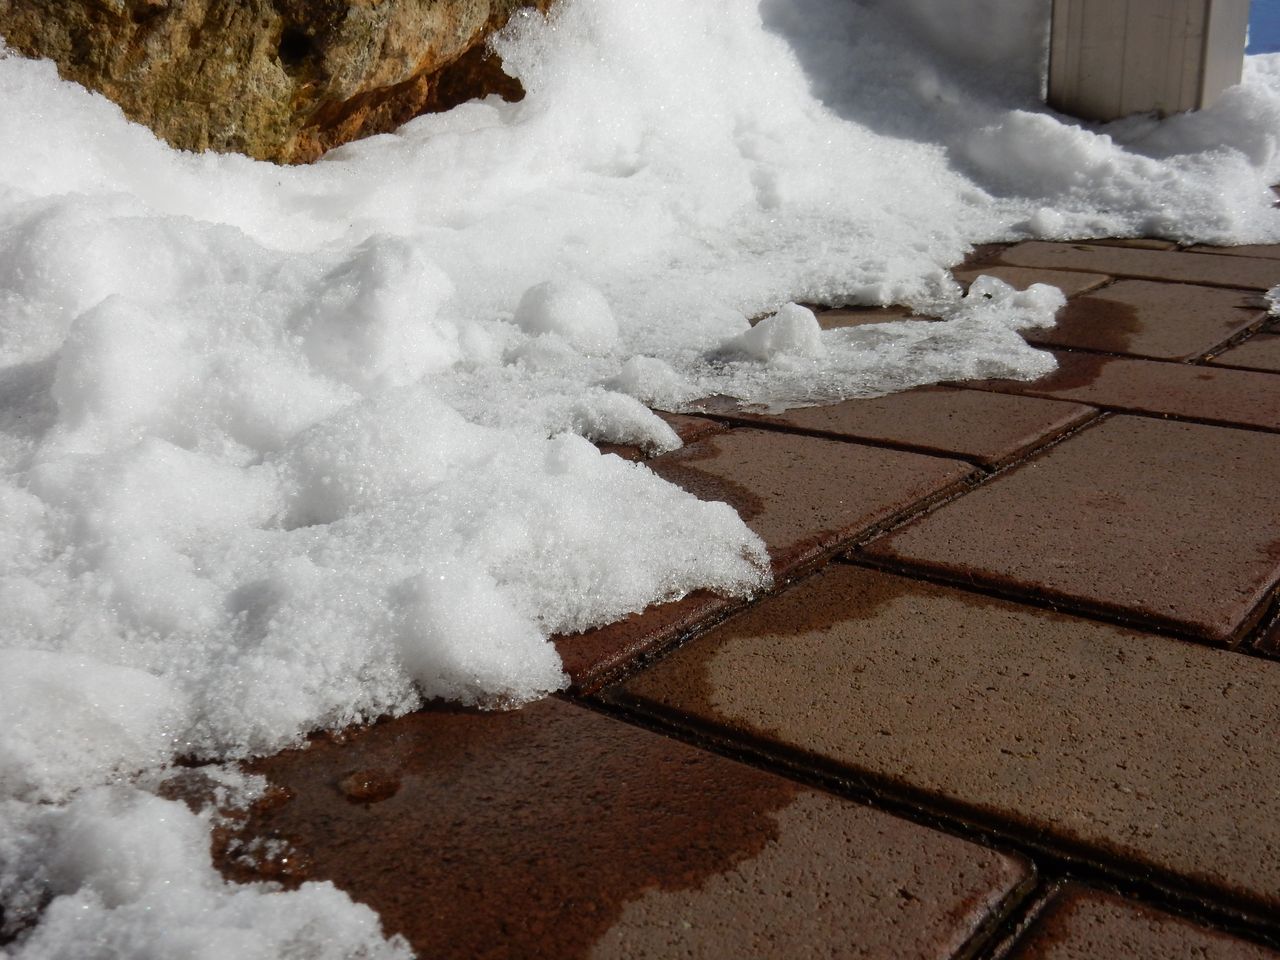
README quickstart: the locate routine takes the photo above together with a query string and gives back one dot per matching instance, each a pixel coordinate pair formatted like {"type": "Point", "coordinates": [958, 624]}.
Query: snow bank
{"type": "Point", "coordinates": [128, 875]}
{"type": "Point", "coordinates": [293, 448]}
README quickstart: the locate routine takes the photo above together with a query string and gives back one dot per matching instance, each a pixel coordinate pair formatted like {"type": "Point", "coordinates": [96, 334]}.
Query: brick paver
{"type": "Point", "coordinates": [1160, 320]}
{"type": "Point", "coordinates": [597, 656]}
{"type": "Point", "coordinates": [862, 316]}
{"type": "Point", "coordinates": [1265, 250]}
{"type": "Point", "coordinates": [1137, 243]}
{"type": "Point", "coordinates": [1259, 352]}
{"type": "Point", "coordinates": [1110, 742]}
{"type": "Point", "coordinates": [1252, 273]}
{"type": "Point", "coordinates": [1007, 708]}
{"type": "Point", "coordinates": [1157, 521]}
{"type": "Point", "coordinates": [986, 428]}
{"type": "Point", "coordinates": [1083, 924]}
{"type": "Point", "coordinates": [1194, 392]}
{"type": "Point", "coordinates": [806, 496]}
{"type": "Point", "coordinates": [557, 832]}
{"type": "Point", "coordinates": [1070, 283]}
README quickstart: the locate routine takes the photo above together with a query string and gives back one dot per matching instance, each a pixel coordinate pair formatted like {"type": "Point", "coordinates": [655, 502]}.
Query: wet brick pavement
{"type": "Point", "coordinates": [1014, 696]}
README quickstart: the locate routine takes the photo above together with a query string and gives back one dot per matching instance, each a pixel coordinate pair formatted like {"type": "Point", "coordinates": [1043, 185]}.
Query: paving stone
{"type": "Point", "coordinates": [555, 831]}
{"type": "Point", "coordinates": [1265, 250]}
{"type": "Point", "coordinates": [841, 317]}
{"type": "Point", "coordinates": [1106, 742]}
{"type": "Point", "coordinates": [1150, 520]}
{"type": "Point", "coordinates": [987, 428]}
{"type": "Point", "coordinates": [806, 496]}
{"type": "Point", "coordinates": [1252, 273]}
{"type": "Point", "coordinates": [1172, 321]}
{"type": "Point", "coordinates": [1259, 352]}
{"type": "Point", "coordinates": [1214, 394]}
{"type": "Point", "coordinates": [1020, 278]}
{"type": "Point", "coordinates": [688, 429]}
{"type": "Point", "coordinates": [596, 657]}
{"type": "Point", "coordinates": [1137, 243]}
{"type": "Point", "coordinates": [1083, 924]}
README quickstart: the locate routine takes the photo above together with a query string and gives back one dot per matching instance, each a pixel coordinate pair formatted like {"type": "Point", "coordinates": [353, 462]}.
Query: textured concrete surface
{"type": "Point", "coordinates": [862, 316]}
{"type": "Point", "coordinates": [943, 421]}
{"type": "Point", "coordinates": [1251, 273]}
{"type": "Point", "coordinates": [1269, 251]}
{"type": "Point", "coordinates": [1190, 391]}
{"type": "Point", "coordinates": [1083, 924]}
{"type": "Point", "coordinates": [1111, 742]}
{"type": "Point", "coordinates": [596, 656]}
{"type": "Point", "coordinates": [557, 832]}
{"type": "Point", "coordinates": [1259, 352]}
{"type": "Point", "coordinates": [1155, 521]}
{"type": "Point", "coordinates": [805, 496]}
{"type": "Point", "coordinates": [1159, 320]}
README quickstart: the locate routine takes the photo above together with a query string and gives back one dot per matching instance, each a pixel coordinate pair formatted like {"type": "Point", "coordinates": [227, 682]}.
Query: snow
{"type": "Point", "coordinates": [285, 449]}
{"type": "Point", "coordinates": [130, 876]}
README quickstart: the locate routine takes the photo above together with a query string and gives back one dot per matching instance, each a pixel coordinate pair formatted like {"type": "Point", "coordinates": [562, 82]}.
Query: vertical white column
{"type": "Point", "coordinates": [1111, 58]}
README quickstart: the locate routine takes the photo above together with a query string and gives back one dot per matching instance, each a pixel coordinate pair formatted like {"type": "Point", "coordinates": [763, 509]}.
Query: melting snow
{"type": "Point", "coordinates": [294, 448]}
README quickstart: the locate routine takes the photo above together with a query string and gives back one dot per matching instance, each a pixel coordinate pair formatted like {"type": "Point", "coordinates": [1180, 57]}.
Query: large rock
{"type": "Point", "coordinates": [279, 80]}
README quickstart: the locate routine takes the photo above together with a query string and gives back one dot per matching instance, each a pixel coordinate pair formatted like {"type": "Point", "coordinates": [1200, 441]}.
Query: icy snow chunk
{"type": "Point", "coordinates": [791, 332]}
{"type": "Point", "coordinates": [992, 300]}
{"type": "Point", "coordinates": [69, 719]}
{"type": "Point", "coordinates": [120, 367]}
{"type": "Point", "coordinates": [129, 874]}
{"type": "Point", "coordinates": [617, 418]}
{"type": "Point", "coordinates": [461, 637]}
{"type": "Point", "coordinates": [399, 444]}
{"type": "Point", "coordinates": [653, 381]}
{"type": "Point", "coordinates": [574, 310]}
{"type": "Point", "coordinates": [374, 321]}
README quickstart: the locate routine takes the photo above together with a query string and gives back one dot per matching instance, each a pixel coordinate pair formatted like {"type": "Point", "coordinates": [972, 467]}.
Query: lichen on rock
{"type": "Point", "coordinates": [280, 80]}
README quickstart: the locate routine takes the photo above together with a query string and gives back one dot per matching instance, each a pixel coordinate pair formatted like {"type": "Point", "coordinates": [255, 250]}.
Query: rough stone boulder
{"type": "Point", "coordinates": [279, 80]}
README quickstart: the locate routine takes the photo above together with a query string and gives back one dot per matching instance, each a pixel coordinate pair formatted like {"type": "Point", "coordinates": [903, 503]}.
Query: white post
{"type": "Point", "coordinates": [1111, 58]}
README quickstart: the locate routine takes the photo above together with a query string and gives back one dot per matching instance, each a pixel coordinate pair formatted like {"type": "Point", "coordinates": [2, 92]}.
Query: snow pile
{"type": "Point", "coordinates": [292, 448]}
{"type": "Point", "coordinates": [130, 876]}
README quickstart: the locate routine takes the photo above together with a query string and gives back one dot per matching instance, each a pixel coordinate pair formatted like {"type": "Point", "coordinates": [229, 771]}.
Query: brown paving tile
{"type": "Point", "coordinates": [1269, 251]}
{"type": "Point", "coordinates": [1259, 352]}
{"type": "Point", "coordinates": [1251, 273]}
{"type": "Point", "coordinates": [1136, 243]}
{"type": "Point", "coordinates": [688, 429]}
{"type": "Point", "coordinates": [983, 254]}
{"type": "Point", "coordinates": [806, 496]}
{"type": "Point", "coordinates": [1150, 520]}
{"type": "Point", "coordinates": [558, 832]}
{"type": "Point", "coordinates": [841, 317]}
{"type": "Point", "coordinates": [595, 657]}
{"type": "Point", "coordinates": [1114, 744]}
{"type": "Point", "coordinates": [1020, 278]}
{"type": "Point", "coordinates": [1083, 924]}
{"type": "Point", "coordinates": [1172, 321]}
{"type": "Point", "coordinates": [944, 421]}
{"type": "Point", "coordinates": [1214, 394]}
